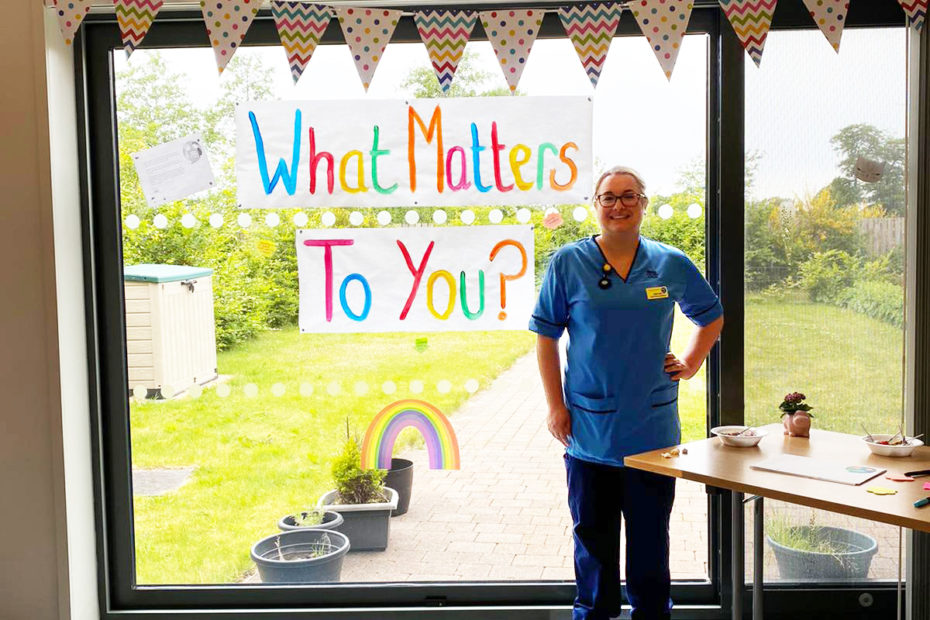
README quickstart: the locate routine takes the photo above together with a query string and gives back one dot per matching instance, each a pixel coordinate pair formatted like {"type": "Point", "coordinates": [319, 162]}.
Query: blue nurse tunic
{"type": "Point", "coordinates": [620, 398]}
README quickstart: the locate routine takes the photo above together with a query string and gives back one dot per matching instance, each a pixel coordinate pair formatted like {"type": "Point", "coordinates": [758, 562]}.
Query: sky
{"type": "Point", "coordinates": [801, 96]}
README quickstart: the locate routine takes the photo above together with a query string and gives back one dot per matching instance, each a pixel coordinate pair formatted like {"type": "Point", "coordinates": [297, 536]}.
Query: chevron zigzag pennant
{"type": "Point", "coordinates": [751, 19]}
{"type": "Point", "coordinates": [830, 17]}
{"type": "Point", "coordinates": [70, 14]}
{"type": "Point", "coordinates": [591, 28]}
{"type": "Point", "coordinates": [135, 17]}
{"type": "Point", "coordinates": [445, 34]}
{"type": "Point", "coordinates": [916, 12]}
{"type": "Point", "coordinates": [367, 32]}
{"type": "Point", "coordinates": [300, 28]}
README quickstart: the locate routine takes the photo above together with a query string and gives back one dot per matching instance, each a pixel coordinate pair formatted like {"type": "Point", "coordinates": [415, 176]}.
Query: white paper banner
{"type": "Point", "coordinates": [418, 279]}
{"type": "Point", "coordinates": [421, 152]}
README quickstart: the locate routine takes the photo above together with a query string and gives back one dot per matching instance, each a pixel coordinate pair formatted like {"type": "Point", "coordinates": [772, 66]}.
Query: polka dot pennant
{"type": "Point", "coordinates": [751, 20]}
{"type": "Point", "coordinates": [135, 17]}
{"type": "Point", "coordinates": [916, 12]}
{"type": "Point", "coordinates": [591, 27]}
{"type": "Point", "coordinates": [70, 14]}
{"type": "Point", "coordinates": [367, 32]}
{"type": "Point", "coordinates": [830, 16]}
{"type": "Point", "coordinates": [512, 33]}
{"type": "Point", "coordinates": [227, 21]}
{"type": "Point", "coordinates": [300, 28]}
{"type": "Point", "coordinates": [664, 23]}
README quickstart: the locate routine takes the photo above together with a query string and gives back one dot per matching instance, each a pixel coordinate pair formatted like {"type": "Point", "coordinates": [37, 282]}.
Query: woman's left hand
{"type": "Point", "coordinates": [677, 368]}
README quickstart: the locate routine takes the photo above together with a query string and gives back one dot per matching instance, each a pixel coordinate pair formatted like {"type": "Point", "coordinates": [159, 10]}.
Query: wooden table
{"type": "Point", "coordinates": [710, 462]}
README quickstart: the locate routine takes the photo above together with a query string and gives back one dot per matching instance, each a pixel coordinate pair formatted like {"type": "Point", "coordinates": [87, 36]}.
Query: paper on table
{"type": "Point", "coordinates": [807, 467]}
{"type": "Point", "coordinates": [173, 170]}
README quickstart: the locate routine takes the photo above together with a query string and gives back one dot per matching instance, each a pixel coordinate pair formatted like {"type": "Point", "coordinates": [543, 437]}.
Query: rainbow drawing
{"type": "Point", "coordinates": [441, 444]}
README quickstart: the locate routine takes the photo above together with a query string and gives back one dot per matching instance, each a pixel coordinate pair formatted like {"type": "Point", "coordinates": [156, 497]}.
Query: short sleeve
{"type": "Point", "coordinates": [550, 316]}
{"type": "Point", "coordinates": [699, 302]}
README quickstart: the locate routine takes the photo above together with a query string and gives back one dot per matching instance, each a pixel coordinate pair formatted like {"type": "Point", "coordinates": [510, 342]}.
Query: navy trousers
{"type": "Point", "coordinates": [598, 497]}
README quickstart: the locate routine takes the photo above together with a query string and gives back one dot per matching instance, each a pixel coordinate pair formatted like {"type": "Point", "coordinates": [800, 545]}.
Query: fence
{"type": "Point", "coordinates": [882, 234]}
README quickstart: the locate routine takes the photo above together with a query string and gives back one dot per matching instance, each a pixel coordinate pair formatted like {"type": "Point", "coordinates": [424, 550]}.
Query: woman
{"type": "Point", "coordinates": [615, 293]}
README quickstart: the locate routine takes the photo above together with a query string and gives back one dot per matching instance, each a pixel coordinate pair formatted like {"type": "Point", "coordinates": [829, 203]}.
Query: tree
{"type": "Point", "coordinates": [868, 141]}
{"type": "Point", "coordinates": [469, 81]}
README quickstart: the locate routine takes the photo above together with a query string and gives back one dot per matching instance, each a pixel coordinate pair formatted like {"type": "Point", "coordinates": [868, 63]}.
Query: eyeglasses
{"type": "Point", "coordinates": [628, 199]}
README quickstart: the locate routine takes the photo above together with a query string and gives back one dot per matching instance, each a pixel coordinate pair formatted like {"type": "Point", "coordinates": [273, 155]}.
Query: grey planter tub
{"type": "Point", "coordinates": [366, 525]}
{"type": "Point", "coordinates": [294, 543]}
{"type": "Point", "coordinates": [851, 563]}
{"type": "Point", "coordinates": [331, 521]}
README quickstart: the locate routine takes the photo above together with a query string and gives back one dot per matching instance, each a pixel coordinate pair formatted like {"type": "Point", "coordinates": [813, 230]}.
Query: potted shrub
{"type": "Point", "coordinates": [304, 555]}
{"type": "Point", "coordinates": [361, 498]}
{"type": "Point", "coordinates": [312, 517]}
{"type": "Point", "coordinates": [810, 551]}
{"type": "Point", "coordinates": [796, 415]}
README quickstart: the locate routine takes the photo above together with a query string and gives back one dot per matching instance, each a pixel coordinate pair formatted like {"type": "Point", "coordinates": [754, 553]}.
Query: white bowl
{"type": "Point", "coordinates": [745, 440]}
{"type": "Point", "coordinates": [899, 450]}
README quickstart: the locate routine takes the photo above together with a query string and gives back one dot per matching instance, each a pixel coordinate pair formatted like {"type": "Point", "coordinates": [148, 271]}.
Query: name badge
{"type": "Point", "coordinates": [657, 292]}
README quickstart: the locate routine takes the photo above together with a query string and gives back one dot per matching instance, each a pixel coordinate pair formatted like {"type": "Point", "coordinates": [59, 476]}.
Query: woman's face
{"type": "Point", "coordinates": [619, 217]}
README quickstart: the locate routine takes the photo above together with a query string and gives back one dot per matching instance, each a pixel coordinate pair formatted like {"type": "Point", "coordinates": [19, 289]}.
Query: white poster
{"type": "Point", "coordinates": [420, 152]}
{"type": "Point", "coordinates": [173, 170]}
{"type": "Point", "coordinates": [415, 279]}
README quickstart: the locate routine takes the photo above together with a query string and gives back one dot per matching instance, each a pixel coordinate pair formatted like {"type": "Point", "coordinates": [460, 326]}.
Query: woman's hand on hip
{"type": "Point", "coordinates": [679, 369]}
{"type": "Point", "coordinates": [559, 422]}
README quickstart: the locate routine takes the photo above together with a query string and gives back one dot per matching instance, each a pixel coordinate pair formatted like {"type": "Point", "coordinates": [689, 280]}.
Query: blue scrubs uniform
{"type": "Point", "coordinates": [621, 402]}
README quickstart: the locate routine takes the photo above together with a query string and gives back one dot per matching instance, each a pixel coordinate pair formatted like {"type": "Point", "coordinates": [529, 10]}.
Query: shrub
{"type": "Point", "coordinates": [826, 274]}
{"type": "Point", "coordinates": [354, 484]}
{"type": "Point", "coordinates": [875, 298]}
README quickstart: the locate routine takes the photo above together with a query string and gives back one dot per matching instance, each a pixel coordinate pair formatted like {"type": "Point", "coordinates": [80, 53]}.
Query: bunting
{"type": "Point", "coordinates": [70, 14]}
{"type": "Point", "coordinates": [227, 21]}
{"type": "Point", "coordinates": [751, 19]}
{"type": "Point", "coordinates": [591, 27]}
{"type": "Point", "coordinates": [300, 27]}
{"type": "Point", "coordinates": [830, 16]}
{"type": "Point", "coordinates": [512, 34]}
{"type": "Point", "coordinates": [367, 32]}
{"type": "Point", "coordinates": [916, 12]}
{"type": "Point", "coordinates": [135, 17]}
{"type": "Point", "coordinates": [664, 23]}
{"type": "Point", "coordinates": [445, 34]}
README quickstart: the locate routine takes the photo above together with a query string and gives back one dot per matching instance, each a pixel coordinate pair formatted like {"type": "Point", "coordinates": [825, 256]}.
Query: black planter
{"type": "Point", "coordinates": [292, 544]}
{"type": "Point", "coordinates": [400, 478]}
{"type": "Point", "coordinates": [331, 521]}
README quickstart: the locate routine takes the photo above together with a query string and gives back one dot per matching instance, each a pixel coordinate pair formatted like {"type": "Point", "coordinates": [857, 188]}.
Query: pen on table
{"type": "Point", "coordinates": [922, 502]}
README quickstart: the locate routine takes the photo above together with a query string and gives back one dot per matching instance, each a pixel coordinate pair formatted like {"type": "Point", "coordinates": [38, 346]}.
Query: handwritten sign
{"type": "Point", "coordinates": [415, 279]}
{"type": "Point", "coordinates": [420, 152]}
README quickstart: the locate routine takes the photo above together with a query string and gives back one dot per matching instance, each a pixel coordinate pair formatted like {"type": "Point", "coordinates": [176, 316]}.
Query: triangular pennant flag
{"type": "Point", "coordinates": [664, 23]}
{"type": "Point", "coordinates": [70, 15]}
{"type": "Point", "coordinates": [751, 20]}
{"type": "Point", "coordinates": [511, 33]}
{"type": "Point", "coordinates": [300, 27]}
{"type": "Point", "coordinates": [445, 34]}
{"type": "Point", "coordinates": [916, 11]}
{"type": "Point", "coordinates": [591, 28]}
{"type": "Point", "coordinates": [830, 17]}
{"type": "Point", "coordinates": [227, 21]}
{"type": "Point", "coordinates": [135, 17]}
{"type": "Point", "coordinates": [367, 32]}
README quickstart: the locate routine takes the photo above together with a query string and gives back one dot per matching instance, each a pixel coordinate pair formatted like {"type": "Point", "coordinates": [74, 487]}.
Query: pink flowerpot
{"type": "Point", "coordinates": [797, 424]}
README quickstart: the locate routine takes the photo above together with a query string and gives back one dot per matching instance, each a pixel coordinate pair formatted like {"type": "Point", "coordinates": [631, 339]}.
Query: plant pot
{"type": "Point", "coordinates": [400, 478]}
{"type": "Point", "coordinates": [366, 525]}
{"type": "Point", "coordinates": [294, 544]}
{"type": "Point", "coordinates": [850, 561]}
{"type": "Point", "coordinates": [797, 424]}
{"type": "Point", "coordinates": [331, 520]}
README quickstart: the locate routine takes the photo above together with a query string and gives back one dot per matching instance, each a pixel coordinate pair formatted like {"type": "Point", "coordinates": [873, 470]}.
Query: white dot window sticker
{"type": "Point", "coordinates": [388, 387]}
{"type": "Point", "coordinates": [244, 220]}
{"type": "Point", "coordinates": [223, 390]}
{"type": "Point", "coordinates": [160, 221]}
{"type": "Point", "coordinates": [496, 216]}
{"type": "Point", "coordinates": [300, 219]}
{"type": "Point", "coordinates": [471, 386]}
{"type": "Point", "coordinates": [384, 217]}
{"type": "Point", "coordinates": [524, 215]}
{"type": "Point", "coordinates": [467, 216]}
{"type": "Point", "coordinates": [411, 217]}
{"type": "Point", "coordinates": [140, 392]}
{"type": "Point", "coordinates": [328, 219]}
{"type": "Point", "coordinates": [440, 216]}
{"type": "Point", "coordinates": [132, 221]}
{"type": "Point", "coordinates": [580, 214]}
{"type": "Point", "coordinates": [356, 218]}
{"type": "Point", "coordinates": [306, 389]}
{"type": "Point", "coordinates": [216, 220]}
{"type": "Point", "coordinates": [167, 391]}
{"type": "Point", "coordinates": [694, 211]}
{"type": "Point", "coordinates": [360, 388]}
{"type": "Point", "coordinates": [416, 386]}
{"type": "Point", "coordinates": [444, 386]}
{"type": "Point", "coordinates": [195, 391]}
{"type": "Point", "coordinates": [333, 388]}
{"type": "Point", "coordinates": [250, 390]}
{"type": "Point", "coordinates": [272, 220]}
{"type": "Point", "coordinates": [666, 211]}
{"type": "Point", "coordinates": [188, 220]}
{"type": "Point", "coordinates": [278, 389]}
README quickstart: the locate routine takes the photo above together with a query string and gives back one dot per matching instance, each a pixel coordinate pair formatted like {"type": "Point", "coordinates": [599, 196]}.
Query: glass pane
{"type": "Point", "coordinates": [824, 267]}
{"type": "Point", "coordinates": [225, 452]}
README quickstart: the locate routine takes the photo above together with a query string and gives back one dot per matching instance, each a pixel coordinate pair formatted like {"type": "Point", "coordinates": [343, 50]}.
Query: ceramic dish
{"type": "Point", "coordinates": [889, 450]}
{"type": "Point", "coordinates": [729, 436]}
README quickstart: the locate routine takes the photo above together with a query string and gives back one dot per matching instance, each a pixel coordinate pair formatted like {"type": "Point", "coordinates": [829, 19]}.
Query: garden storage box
{"type": "Point", "coordinates": [170, 334]}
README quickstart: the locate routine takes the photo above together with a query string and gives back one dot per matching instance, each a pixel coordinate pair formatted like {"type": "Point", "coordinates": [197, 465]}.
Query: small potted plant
{"type": "Point", "coordinates": [796, 415]}
{"type": "Point", "coordinates": [809, 551]}
{"type": "Point", "coordinates": [311, 517]}
{"type": "Point", "coordinates": [361, 498]}
{"type": "Point", "coordinates": [305, 555]}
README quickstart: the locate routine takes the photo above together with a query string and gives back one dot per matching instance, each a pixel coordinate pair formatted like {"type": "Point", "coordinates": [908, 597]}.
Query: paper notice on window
{"type": "Point", "coordinates": [173, 170]}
